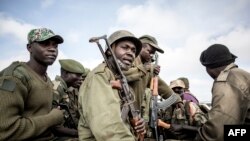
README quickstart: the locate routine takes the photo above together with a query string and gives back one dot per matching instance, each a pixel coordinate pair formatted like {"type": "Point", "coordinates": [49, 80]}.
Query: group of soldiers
{"type": "Point", "coordinates": [123, 98]}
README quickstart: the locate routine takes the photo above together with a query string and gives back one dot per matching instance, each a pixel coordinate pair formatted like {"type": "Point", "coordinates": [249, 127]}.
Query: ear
{"type": "Point", "coordinates": [29, 48]}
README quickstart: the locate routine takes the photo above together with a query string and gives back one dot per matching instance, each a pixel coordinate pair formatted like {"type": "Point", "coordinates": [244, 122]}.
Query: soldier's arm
{"type": "Point", "coordinates": [226, 109]}
{"type": "Point", "coordinates": [165, 91]}
{"type": "Point", "coordinates": [13, 124]}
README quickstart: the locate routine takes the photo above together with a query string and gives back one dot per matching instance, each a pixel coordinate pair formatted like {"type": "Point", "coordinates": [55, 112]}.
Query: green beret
{"type": "Point", "coordinates": [72, 66]}
{"type": "Point", "coordinates": [87, 70]}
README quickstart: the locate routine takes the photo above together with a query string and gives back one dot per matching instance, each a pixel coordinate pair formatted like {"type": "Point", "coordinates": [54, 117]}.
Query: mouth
{"type": "Point", "coordinates": [53, 57]}
{"type": "Point", "coordinates": [128, 61]}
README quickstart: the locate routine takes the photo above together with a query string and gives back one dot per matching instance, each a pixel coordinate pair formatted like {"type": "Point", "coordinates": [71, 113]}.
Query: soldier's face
{"type": "Point", "coordinates": [211, 72]}
{"type": "Point", "coordinates": [73, 79]}
{"type": "Point", "coordinates": [44, 52]}
{"type": "Point", "coordinates": [147, 53]}
{"type": "Point", "coordinates": [178, 90]}
{"type": "Point", "coordinates": [125, 53]}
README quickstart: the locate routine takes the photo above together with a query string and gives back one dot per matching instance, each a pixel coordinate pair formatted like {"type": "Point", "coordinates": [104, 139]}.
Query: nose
{"type": "Point", "coordinates": [131, 53]}
{"type": "Point", "coordinates": [52, 48]}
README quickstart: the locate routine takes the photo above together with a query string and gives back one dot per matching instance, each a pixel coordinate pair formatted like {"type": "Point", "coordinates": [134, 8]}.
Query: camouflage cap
{"type": "Point", "coordinates": [177, 83]}
{"type": "Point", "coordinates": [42, 34]}
{"type": "Point", "coordinates": [71, 65]}
{"type": "Point", "coordinates": [147, 39]}
{"type": "Point", "coordinates": [186, 82]}
{"type": "Point", "coordinates": [125, 35]}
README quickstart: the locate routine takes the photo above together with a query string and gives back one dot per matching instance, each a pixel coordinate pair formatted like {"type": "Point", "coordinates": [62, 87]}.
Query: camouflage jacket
{"type": "Point", "coordinates": [69, 96]}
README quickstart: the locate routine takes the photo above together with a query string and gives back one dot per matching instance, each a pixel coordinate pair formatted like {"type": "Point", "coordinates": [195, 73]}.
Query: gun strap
{"type": "Point", "coordinates": [124, 112]}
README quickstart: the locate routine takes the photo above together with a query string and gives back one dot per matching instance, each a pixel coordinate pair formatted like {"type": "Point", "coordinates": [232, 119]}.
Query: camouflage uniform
{"type": "Point", "coordinates": [65, 94]}
{"type": "Point", "coordinates": [26, 99]}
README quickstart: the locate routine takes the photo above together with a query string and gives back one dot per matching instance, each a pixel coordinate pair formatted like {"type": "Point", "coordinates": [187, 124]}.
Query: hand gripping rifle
{"type": "Point", "coordinates": [125, 93]}
{"type": "Point", "coordinates": [69, 121]}
{"type": "Point", "coordinates": [153, 103]}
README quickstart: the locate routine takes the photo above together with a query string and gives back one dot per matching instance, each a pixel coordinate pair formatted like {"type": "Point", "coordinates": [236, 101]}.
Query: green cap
{"type": "Point", "coordinates": [42, 34]}
{"type": "Point", "coordinates": [147, 39]}
{"type": "Point", "coordinates": [87, 70]}
{"type": "Point", "coordinates": [72, 66]}
{"type": "Point", "coordinates": [125, 35]}
{"type": "Point", "coordinates": [186, 82]}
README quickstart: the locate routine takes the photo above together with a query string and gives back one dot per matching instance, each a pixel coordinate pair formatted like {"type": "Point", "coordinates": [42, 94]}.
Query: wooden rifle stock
{"type": "Point", "coordinates": [154, 107]}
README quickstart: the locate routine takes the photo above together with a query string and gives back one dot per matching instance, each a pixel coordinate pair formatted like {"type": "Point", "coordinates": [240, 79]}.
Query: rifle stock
{"type": "Point", "coordinates": [125, 92]}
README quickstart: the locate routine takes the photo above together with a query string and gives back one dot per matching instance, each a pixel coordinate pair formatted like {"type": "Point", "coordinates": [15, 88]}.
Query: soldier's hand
{"type": "Point", "coordinates": [157, 69]}
{"type": "Point", "coordinates": [58, 115]}
{"type": "Point", "coordinates": [140, 126]}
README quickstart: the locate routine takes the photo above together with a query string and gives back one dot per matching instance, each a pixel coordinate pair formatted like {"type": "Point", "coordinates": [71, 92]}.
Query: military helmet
{"type": "Point", "coordinates": [147, 39]}
{"type": "Point", "coordinates": [186, 82]}
{"type": "Point", "coordinates": [177, 83]}
{"type": "Point", "coordinates": [71, 65]}
{"type": "Point", "coordinates": [123, 35]}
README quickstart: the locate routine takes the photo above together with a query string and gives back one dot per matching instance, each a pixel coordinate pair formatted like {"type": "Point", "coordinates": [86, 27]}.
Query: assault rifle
{"type": "Point", "coordinates": [125, 92]}
{"type": "Point", "coordinates": [153, 103]}
{"type": "Point", "coordinates": [69, 121]}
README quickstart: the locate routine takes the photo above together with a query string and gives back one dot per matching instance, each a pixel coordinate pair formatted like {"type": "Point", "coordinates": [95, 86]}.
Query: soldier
{"type": "Point", "coordinates": [176, 117]}
{"type": "Point", "coordinates": [179, 87]}
{"type": "Point", "coordinates": [84, 75]}
{"type": "Point", "coordinates": [187, 94]}
{"type": "Point", "coordinates": [66, 91]}
{"type": "Point", "coordinates": [26, 91]}
{"type": "Point", "coordinates": [230, 92]}
{"type": "Point", "coordinates": [140, 76]}
{"type": "Point", "coordinates": [99, 102]}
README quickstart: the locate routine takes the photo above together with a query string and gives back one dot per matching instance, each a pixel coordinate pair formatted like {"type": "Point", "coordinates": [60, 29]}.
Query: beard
{"type": "Point", "coordinates": [123, 66]}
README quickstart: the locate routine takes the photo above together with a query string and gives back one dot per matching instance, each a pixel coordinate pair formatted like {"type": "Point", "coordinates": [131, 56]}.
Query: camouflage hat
{"type": "Point", "coordinates": [177, 83]}
{"type": "Point", "coordinates": [125, 35]}
{"type": "Point", "coordinates": [147, 39]}
{"type": "Point", "coordinates": [42, 34]}
{"type": "Point", "coordinates": [72, 66]}
{"type": "Point", "coordinates": [186, 82]}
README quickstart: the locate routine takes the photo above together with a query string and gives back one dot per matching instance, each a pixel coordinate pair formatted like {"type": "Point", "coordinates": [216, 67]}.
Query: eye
{"type": "Point", "coordinates": [44, 43]}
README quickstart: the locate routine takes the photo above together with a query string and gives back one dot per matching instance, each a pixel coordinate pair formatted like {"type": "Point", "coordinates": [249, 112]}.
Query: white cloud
{"type": "Point", "coordinates": [73, 37]}
{"type": "Point", "coordinates": [14, 28]}
{"type": "Point", "coordinates": [184, 30]}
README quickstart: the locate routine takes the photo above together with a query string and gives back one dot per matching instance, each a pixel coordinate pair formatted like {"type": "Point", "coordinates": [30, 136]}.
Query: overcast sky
{"type": "Point", "coordinates": [183, 28]}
